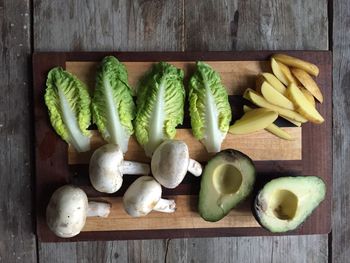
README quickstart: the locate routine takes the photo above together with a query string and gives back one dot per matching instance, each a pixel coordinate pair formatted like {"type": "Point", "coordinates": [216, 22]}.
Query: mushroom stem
{"type": "Point", "coordinates": [194, 167]}
{"type": "Point", "coordinates": [165, 206]}
{"type": "Point", "coordinates": [130, 167]}
{"type": "Point", "coordinates": [100, 209]}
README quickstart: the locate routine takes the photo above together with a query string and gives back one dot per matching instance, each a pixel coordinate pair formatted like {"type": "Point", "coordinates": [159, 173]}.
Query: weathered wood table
{"type": "Point", "coordinates": [27, 26]}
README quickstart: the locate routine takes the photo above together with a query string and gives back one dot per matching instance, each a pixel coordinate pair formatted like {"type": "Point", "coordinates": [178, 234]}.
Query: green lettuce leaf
{"type": "Point", "coordinates": [160, 106]}
{"type": "Point", "coordinates": [113, 108]}
{"type": "Point", "coordinates": [210, 110]}
{"type": "Point", "coordinates": [68, 102]}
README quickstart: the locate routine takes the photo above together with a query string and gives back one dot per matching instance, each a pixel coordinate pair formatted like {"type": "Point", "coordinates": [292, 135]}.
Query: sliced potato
{"type": "Point", "coordinates": [279, 132]}
{"type": "Point", "coordinates": [296, 123]}
{"type": "Point", "coordinates": [308, 96]}
{"type": "Point", "coordinates": [246, 108]}
{"type": "Point", "coordinates": [308, 82]}
{"type": "Point", "coordinates": [274, 97]}
{"type": "Point", "coordinates": [273, 128]}
{"type": "Point", "coordinates": [297, 63]}
{"type": "Point", "coordinates": [303, 106]}
{"type": "Point", "coordinates": [258, 100]}
{"type": "Point", "coordinates": [278, 85]}
{"type": "Point", "coordinates": [286, 71]}
{"type": "Point", "coordinates": [276, 69]}
{"type": "Point", "coordinates": [254, 120]}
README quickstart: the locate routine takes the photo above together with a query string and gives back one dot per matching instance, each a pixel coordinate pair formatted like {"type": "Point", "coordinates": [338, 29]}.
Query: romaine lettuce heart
{"type": "Point", "coordinates": [160, 106]}
{"type": "Point", "coordinates": [210, 109]}
{"type": "Point", "coordinates": [68, 102]}
{"type": "Point", "coordinates": [113, 108]}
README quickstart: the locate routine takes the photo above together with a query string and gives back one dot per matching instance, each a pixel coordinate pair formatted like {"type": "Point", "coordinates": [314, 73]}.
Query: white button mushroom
{"type": "Point", "coordinates": [107, 167]}
{"type": "Point", "coordinates": [170, 163]}
{"type": "Point", "coordinates": [144, 195]}
{"type": "Point", "coordinates": [68, 208]}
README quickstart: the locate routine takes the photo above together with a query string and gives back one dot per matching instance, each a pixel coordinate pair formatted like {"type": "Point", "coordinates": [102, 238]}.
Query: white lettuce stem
{"type": "Point", "coordinates": [156, 135]}
{"type": "Point", "coordinates": [213, 136]}
{"type": "Point", "coordinates": [80, 142]}
{"type": "Point", "coordinates": [115, 128]}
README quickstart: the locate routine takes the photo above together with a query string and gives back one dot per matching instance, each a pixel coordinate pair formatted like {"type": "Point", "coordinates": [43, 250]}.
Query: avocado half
{"type": "Point", "coordinates": [284, 203]}
{"type": "Point", "coordinates": [228, 179]}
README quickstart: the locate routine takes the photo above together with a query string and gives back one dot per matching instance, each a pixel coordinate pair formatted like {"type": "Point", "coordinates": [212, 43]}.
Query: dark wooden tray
{"type": "Point", "coordinates": [55, 168]}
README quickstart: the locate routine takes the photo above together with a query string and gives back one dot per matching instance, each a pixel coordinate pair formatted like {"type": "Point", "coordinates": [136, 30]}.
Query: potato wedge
{"type": "Point", "coordinates": [297, 63]}
{"type": "Point", "coordinates": [246, 108]}
{"type": "Point", "coordinates": [258, 100]}
{"type": "Point", "coordinates": [308, 82]}
{"type": "Point", "coordinates": [308, 96]}
{"type": "Point", "coordinates": [254, 120]}
{"type": "Point", "coordinates": [274, 97]}
{"type": "Point", "coordinates": [273, 128]}
{"type": "Point", "coordinates": [279, 132]}
{"type": "Point", "coordinates": [270, 78]}
{"type": "Point", "coordinates": [277, 71]}
{"type": "Point", "coordinates": [286, 71]}
{"type": "Point", "coordinates": [296, 123]}
{"type": "Point", "coordinates": [303, 106]}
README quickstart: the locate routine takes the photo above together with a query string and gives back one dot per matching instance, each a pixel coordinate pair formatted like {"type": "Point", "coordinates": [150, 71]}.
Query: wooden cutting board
{"type": "Point", "coordinates": [310, 153]}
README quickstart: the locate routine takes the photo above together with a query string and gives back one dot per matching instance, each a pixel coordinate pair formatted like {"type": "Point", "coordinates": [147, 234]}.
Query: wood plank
{"type": "Point", "coordinates": [341, 132]}
{"type": "Point", "coordinates": [104, 251]}
{"type": "Point", "coordinates": [111, 25]}
{"type": "Point", "coordinates": [254, 25]}
{"type": "Point", "coordinates": [253, 144]}
{"type": "Point", "coordinates": [185, 217]}
{"type": "Point", "coordinates": [52, 151]}
{"type": "Point", "coordinates": [17, 241]}
{"type": "Point", "coordinates": [108, 25]}
{"type": "Point", "coordinates": [60, 32]}
{"type": "Point", "coordinates": [236, 76]}
{"type": "Point", "coordinates": [287, 249]}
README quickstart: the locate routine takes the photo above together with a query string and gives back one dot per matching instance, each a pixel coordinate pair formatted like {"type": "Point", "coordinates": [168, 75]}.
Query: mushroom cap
{"type": "Point", "coordinates": [105, 168]}
{"type": "Point", "coordinates": [142, 196]}
{"type": "Point", "coordinates": [66, 211]}
{"type": "Point", "coordinates": [170, 163]}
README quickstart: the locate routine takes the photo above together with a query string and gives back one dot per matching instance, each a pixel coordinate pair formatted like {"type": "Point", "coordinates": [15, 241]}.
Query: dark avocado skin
{"type": "Point", "coordinates": [255, 208]}
{"type": "Point", "coordinates": [256, 205]}
{"type": "Point", "coordinates": [229, 155]}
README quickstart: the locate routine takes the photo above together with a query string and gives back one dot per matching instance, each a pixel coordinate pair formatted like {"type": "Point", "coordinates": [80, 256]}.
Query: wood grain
{"type": "Point", "coordinates": [112, 25]}
{"type": "Point", "coordinates": [253, 144]}
{"type": "Point", "coordinates": [104, 251]}
{"type": "Point", "coordinates": [17, 239]}
{"type": "Point", "coordinates": [185, 217]}
{"type": "Point", "coordinates": [52, 152]}
{"type": "Point", "coordinates": [236, 76]}
{"type": "Point", "coordinates": [340, 240]}
{"type": "Point", "coordinates": [254, 25]}
{"type": "Point", "coordinates": [233, 25]}
{"type": "Point", "coordinates": [289, 249]}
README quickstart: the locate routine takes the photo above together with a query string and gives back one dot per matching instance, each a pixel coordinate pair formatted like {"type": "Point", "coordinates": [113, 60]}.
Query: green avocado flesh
{"type": "Point", "coordinates": [284, 203]}
{"type": "Point", "coordinates": [228, 179]}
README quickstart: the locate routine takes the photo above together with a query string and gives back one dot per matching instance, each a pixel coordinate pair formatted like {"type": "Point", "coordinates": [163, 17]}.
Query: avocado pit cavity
{"type": "Point", "coordinates": [227, 179]}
